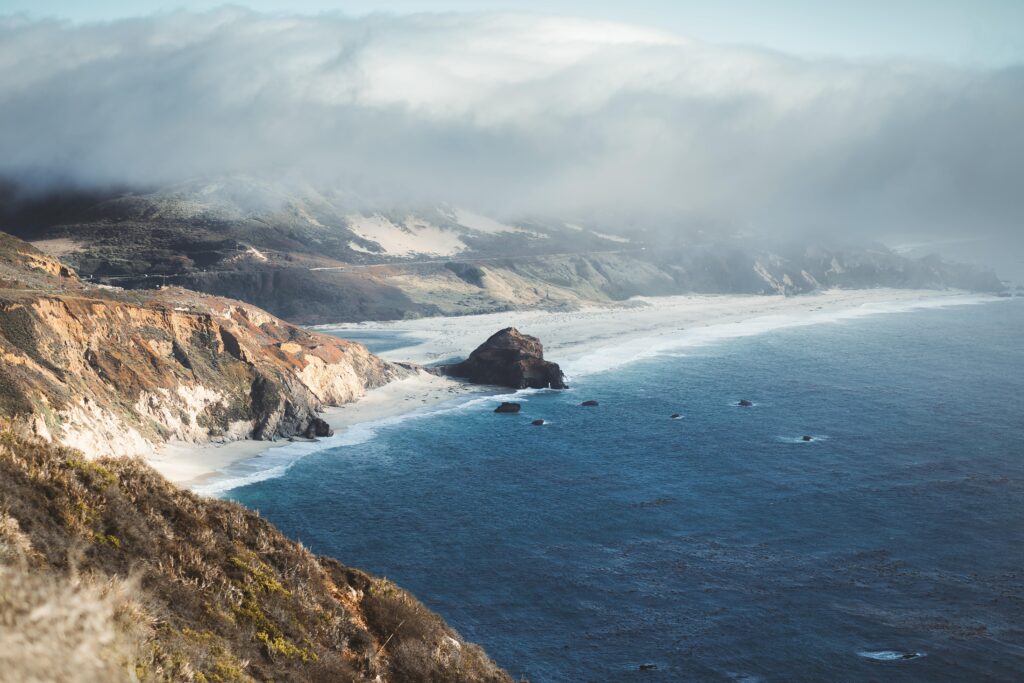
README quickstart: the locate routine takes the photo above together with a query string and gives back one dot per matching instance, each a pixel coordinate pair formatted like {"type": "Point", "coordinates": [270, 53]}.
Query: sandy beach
{"type": "Point", "coordinates": [583, 341]}
{"type": "Point", "coordinates": [192, 465]}
{"type": "Point", "coordinates": [571, 335]}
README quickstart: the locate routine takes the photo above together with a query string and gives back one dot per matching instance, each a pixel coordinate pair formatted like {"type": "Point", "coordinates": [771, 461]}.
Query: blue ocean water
{"type": "Point", "coordinates": [719, 546]}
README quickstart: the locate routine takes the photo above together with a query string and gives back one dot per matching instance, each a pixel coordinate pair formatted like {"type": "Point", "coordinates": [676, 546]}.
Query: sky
{"type": "Point", "coordinates": [859, 119]}
{"type": "Point", "coordinates": [982, 32]}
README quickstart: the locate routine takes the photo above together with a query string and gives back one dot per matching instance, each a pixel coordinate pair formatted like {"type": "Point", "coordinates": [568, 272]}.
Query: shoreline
{"type": "Point", "coordinates": [200, 465]}
{"type": "Point", "coordinates": [653, 322]}
{"type": "Point", "coordinates": [585, 341]}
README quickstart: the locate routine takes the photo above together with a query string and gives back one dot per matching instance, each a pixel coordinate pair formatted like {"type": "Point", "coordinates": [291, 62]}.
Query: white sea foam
{"type": "Point", "coordinates": [670, 342]}
{"type": "Point", "coordinates": [275, 462]}
{"type": "Point", "coordinates": [815, 438]}
{"type": "Point", "coordinates": [890, 655]}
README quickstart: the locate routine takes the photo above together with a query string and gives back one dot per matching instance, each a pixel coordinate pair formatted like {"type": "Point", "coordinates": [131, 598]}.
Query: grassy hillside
{"type": "Point", "coordinates": [108, 572]}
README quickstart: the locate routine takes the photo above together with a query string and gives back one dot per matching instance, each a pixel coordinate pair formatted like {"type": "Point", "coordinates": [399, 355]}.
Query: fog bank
{"type": "Point", "coordinates": [518, 114]}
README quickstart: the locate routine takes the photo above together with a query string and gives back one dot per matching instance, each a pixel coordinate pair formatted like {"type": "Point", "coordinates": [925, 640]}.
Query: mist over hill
{"type": "Point", "coordinates": [592, 122]}
{"type": "Point", "coordinates": [321, 256]}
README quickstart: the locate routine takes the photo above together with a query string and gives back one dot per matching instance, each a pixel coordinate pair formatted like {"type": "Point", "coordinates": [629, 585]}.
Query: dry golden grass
{"type": "Point", "coordinates": [139, 580]}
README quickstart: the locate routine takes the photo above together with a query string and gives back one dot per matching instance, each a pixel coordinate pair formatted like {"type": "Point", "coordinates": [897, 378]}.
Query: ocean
{"type": "Point", "coordinates": [614, 543]}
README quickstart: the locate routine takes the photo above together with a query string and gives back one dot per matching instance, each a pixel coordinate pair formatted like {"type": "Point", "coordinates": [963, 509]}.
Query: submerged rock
{"type": "Point", "coordinates": [589, 403]}
{"type": "Point", "coordinates": [675, 416]}
{"type": "Point", "coordinates": [648, 667]}
{"type": "Point", "coordinates": [744, 403]}
{"type": "Point", "coordinates": [537, 423]}
{"type": "Point", "coordinates": [509, 358]}
{"type": "Point", "coordinates": [508, 408]}
{"type": "Point", "coordinates": [807, 438]}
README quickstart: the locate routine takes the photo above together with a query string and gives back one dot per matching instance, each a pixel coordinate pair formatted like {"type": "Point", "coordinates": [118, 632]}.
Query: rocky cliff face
{"type": "Point", "coordinates": [509, 358]}
{"type": "Point", "coordinates": [120, 372]}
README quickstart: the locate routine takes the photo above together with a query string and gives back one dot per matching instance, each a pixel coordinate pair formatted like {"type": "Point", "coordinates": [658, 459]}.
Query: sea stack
{"type": "Point", "coordinates": [318, 427]}
{"type": "Point", "coordinates": [509, 359]}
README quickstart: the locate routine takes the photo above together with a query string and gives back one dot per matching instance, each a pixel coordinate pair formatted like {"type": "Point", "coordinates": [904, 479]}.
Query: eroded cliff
{"type": "Point", "coordinates": [118, 372]}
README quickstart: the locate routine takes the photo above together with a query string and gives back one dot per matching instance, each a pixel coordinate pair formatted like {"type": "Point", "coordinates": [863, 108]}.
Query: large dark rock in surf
{"type": "Point", "coordinates": [509, 359]}
{"type": "Point", "coordinates": [508, 408]}
{"type": "Point", "coordinates": [537, 423]}
{"type": "Point", "coordinates": [744, 403]}
{"type": "Point", "coordinates": [318, 427]}
{"type": "Point", "coordinates": [807, 437]}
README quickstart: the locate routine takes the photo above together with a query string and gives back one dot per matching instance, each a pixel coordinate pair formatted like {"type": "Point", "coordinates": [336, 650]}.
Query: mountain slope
{"type": "Point", "coordinates": [313, 257]}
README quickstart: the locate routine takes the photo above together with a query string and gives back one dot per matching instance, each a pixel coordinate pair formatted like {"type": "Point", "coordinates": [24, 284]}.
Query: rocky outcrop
{"type": "Point", "coordinates": [509, 358]}
{"type": "Point", "coordinates": [507, 407]}
{"type": "Point", "coordinates": [120, 372]}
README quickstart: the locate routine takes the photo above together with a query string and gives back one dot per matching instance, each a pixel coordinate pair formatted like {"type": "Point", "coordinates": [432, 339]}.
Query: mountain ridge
{"type": "Point", "coordinates": [316, 258]}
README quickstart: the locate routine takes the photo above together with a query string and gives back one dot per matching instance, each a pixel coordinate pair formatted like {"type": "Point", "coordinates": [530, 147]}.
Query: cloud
{"type": "Point", "coordinates": [517, 114]}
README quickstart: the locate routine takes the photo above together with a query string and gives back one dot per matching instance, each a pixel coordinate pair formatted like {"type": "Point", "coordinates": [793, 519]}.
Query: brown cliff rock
{"type": "Point", "coordinates": [509, 359]}
{"type": "Point", "coordinates": [106, 370]}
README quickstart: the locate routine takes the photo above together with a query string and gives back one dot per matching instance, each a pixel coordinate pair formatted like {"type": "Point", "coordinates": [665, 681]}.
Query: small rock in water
{"type": "Point", "coordinates": [507, 408]}
{"type": "Point", "coordinates": [808, 438]}
{"type": "Point", "coordinates": [591, 402]}
{"type": "Point", "coordinates": [744, 403]}
{"type": "Point", "coordinates": [675, 416]}
{"type": "Point", "coordinates": [537, 423]}
{"type": "Point", "coordinates": [648, 667]}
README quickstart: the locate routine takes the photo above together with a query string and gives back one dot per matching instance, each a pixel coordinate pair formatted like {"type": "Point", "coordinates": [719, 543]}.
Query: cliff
{"type": "Point", "coordinates": [120, 372]}
{"type": "Point", "coordinates": [109, 573]}
{"type": "Point", "coordinates": [509, 358]}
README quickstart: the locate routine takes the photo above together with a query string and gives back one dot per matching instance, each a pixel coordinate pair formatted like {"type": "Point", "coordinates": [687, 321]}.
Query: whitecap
{"type": "Point", "coordinates": [800, 439]}
{"type": "Point", "coordinates": [890, 655]}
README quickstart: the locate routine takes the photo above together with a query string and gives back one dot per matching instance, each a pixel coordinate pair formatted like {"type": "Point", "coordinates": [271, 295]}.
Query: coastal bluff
{"type": "Point", "coordinates": [120, 373]}
{"type": "Point", "coordinates": [509, 358]}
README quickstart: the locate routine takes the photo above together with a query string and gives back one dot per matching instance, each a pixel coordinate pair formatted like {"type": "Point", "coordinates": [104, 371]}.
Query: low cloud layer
{"type": "Point", "coordinates": [517, 114]}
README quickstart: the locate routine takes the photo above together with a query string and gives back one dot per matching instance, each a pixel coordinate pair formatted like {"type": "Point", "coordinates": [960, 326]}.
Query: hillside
{"type": "Point", "coordinates": [109, 573]}
{"type": "Point", "coordinates": [313, 257]}
{"type": "Point", "coordinates": [119, 372]}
